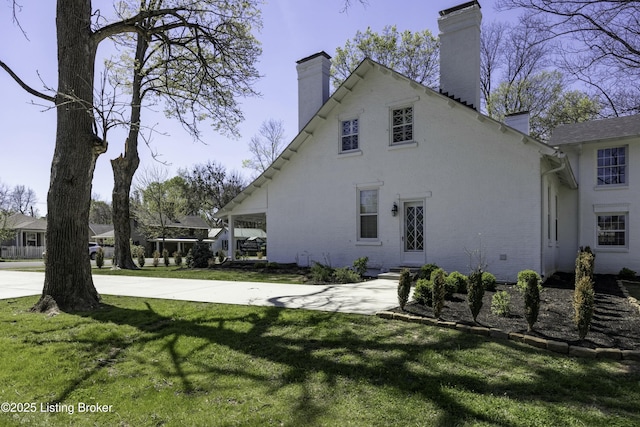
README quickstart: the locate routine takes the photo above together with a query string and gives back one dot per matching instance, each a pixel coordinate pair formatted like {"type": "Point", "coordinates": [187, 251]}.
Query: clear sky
{"type": "Point", "coordinates": [292, 29]}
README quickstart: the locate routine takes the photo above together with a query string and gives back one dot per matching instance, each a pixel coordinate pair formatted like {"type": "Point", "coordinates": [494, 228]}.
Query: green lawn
{"type": "Point", "coordinates": [205, 274]}
{"type": "Point", "coordinates": [169, 363]}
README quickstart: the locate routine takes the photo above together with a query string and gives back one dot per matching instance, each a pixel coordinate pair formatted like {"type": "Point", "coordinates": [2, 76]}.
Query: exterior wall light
{"type": "Point", "coordinates": [394, 209]}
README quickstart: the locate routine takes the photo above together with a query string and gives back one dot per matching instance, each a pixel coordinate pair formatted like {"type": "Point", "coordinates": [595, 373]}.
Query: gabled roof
{"type": "Point", "coordinates": [23, 222]}
{"type": "Point", "coordinates": [345, 90]}
{"type": "Point", "coordinates": [239, 233]}
{"type": "Point", "coordinates": [596, 130]}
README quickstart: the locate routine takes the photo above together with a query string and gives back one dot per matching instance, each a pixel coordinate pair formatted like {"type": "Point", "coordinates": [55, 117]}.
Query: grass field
{"type": "Point", "coordinates": [157, 362]}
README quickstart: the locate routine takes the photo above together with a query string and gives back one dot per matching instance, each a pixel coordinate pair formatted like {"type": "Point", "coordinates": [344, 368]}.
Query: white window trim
{"type": "Point", "coordinates": [600, 187]}
{"type": "Point", "coordinates": [353, 150]}
{"type": "Point", "coordinates": [611, 248]}
{"type": "Point", "coordinates": [367, 240]}
{"type": "Point", "coordinates": [408, 143]}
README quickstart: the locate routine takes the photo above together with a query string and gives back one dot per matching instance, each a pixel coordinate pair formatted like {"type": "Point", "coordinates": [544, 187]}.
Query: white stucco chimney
{"type": "Point", "coordinates": [518, 121]}
{"type": "Point", "coordinates": [313, 85]}
{"type": "Point", "coordinates": [460, 52]}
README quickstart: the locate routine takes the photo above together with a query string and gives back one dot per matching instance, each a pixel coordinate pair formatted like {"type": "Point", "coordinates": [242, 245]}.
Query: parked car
{"type": "Point", "coordinates": [93, 248]}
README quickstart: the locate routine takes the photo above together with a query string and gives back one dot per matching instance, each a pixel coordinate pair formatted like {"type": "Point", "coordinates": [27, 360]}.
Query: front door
{"type": "Point", "coordinates": [413, 234]}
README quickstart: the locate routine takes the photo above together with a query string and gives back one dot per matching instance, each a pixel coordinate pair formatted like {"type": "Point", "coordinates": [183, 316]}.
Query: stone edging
{"type": "Point", "coordinates": [551, 345]}
{"type": "Point", "coordinates": [634, 302]}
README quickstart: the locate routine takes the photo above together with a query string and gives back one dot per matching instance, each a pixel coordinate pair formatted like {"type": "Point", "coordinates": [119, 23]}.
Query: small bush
{"type": "Point", "coordinates": [583, 305]}
{"type": "Point", "coordinates": [165, 257]}
{"type": "Point", "coordinates": [457, 282]}
{"type": "Point", "coordinates": [99, 258]}
{"type": "Point", "coordinates": [423, 292]}
{"type": "Point", "coordinates": [475, 293]}
{"type": "Point", "coordinates": [345, 275]}
{"type": "Point", "coordinates": [438, 277]}
{"type": "Point", "coordinates": [501, 304]}
{"type": "Point", "coordinates": [404, 288]}
{"type": "Point", "coordinates": [531, 299]}
{"type": "Point", "coordinates": [139, 254]}
{"type": "Point", "coordinates": [489, 281]}
{"type": "Point", "coordinates": [177, 258]}
{"type": "Point", "coordinates": [585, 264]}
{"type": "Point", "coordinates": [627, 274]}
{"type": "Point", "coordinates": [200, 255]}
{"type": "Point", "coordinates": [220, 255]}
{"type": "Point", "coordinates": [189, 258]}
{"type": "Point", "coordinates": [360, 265]}
{"type": "Point", "coordinates": [156, 258]}
{"type": "Point", "coordinates": [321, 273]}
{"type": "Point", "coordinates": [426, 271]}
{"type": "Point", "coordinates": [525, 276]}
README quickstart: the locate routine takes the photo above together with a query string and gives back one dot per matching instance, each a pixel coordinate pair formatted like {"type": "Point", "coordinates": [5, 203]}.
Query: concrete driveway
{"type": "Point", "coordinates": [361, 298]}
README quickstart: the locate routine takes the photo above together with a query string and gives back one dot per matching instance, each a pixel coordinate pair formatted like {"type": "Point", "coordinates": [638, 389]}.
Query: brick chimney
{"type": "Point", "coordinates": [313, 85]}
{"type": "Point", "coordinates": [460, 52]}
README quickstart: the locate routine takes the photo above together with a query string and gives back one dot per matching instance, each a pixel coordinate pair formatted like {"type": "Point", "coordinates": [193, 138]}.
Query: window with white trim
{"type": "Point", "coordinates": [612, 166]}
{"type": "Point", "coordinates": [349, 130]}
{"type": "Point", "coordinates": [401, 125]}
{"type": "Point", "coordinates": [368, 214]}
{"type": "Point", "coordinates": [612, 230]}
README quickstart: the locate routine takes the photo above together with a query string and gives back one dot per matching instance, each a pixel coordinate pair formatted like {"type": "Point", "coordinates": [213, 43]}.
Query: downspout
{"type": "Point", "coordinates": [543, 242]}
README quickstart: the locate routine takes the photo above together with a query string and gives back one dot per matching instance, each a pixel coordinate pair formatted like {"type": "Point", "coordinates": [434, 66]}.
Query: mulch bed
{"type": "Point", "coordinates": [616, 322]}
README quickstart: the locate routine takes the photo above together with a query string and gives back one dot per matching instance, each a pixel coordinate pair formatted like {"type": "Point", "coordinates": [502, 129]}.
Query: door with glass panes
{"type": "Point", "coordinates": [413, 243]}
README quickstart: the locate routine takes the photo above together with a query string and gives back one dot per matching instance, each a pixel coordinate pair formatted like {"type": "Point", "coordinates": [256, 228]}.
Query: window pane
{"type": "Point", "coordinates": [612, 230]}
{"type": "Point", "coordinates": [368, 201]}
{"type": "Point", "coordinates": [369, 226]}
{"type": "Point", "coordinates": [402, 124]}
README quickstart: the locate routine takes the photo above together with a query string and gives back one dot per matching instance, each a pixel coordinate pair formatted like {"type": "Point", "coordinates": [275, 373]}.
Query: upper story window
{"type": "Point", "coordinates": [349, 135]}
{"type": "Point", "coordinates": [612, 166]}
{"type": "Point", "coordinates": [402, 125]}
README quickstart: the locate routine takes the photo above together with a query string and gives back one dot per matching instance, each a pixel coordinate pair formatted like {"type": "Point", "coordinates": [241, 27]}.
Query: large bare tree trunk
{"type": "Point", "coordinates": [125, 166]}
{"type": "Point", "coordinates": [68, 278]}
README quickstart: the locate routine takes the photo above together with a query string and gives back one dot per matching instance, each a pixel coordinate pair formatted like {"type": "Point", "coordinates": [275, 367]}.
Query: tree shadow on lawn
{"type": "Point", "coordinates": [382, 362]}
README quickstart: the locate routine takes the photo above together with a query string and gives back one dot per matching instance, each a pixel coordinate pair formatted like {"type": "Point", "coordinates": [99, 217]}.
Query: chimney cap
{"type": "Point", "coordinates": [315, 55]}
{"type": "Point", "coordinates": [459, 7]}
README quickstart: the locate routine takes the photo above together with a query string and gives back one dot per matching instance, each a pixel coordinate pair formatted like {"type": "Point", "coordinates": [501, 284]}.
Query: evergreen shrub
{"type": "Point", "coordinates": [501, 304]}
{"type": "Point", "coordinates": [457, 282]}
{"type": "Point", "coordinates": [583, 305]}
{"type": "Point", "coordinates": [531, 299]}
{"type": "Point", "coordinates": [423, 292]}
{"type": "Point", "coordinates": [475, 293]}
{"type": "Point", "coordinates": [438, 278]}
{"type": "Point", "coordinates": [99, 258]}
{"type": "Point", "coordinates": [489, 281]}
{"type": "Point", "coordinates": [404, 288]}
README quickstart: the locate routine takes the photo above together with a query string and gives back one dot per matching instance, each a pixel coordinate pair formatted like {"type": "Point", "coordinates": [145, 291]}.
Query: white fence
{"type": "Point", "coordinates": [22, 252]}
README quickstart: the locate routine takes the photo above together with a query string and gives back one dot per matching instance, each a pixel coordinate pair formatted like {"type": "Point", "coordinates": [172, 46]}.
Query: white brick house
{"type": "Point", "coordinates": [405, 175]}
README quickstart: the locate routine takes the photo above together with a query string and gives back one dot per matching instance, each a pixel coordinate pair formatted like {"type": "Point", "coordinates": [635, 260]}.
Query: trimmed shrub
{"type": "Point", "coordinates": [321, 273]}
{"type": "Point", "coordinates": [139, 254]}
{"type": "Point", "coordinates": [165, 257]}
{"type": "Point", "coordinates": [489, 281]}
{"type": "Point", "coordinates": [177, 258]}
{"type": "Point", "coordinates": [457, 282]}
{"type": "Point", "coordinates": [200, 255]}
{"type": "Point", "coordinates": [189, 258]}
{"type": "Point", "coordinates": [360, 265]}
{"type": "Point", "coordinates": [99, 258]}
{"type": "Point", "coordinates": [525, 276]}
{"type": "Point", "coordinates": [438, 277]}
{"type": "Point", "coordinates": [627, 274]}
{"type": "Point", "coordinates": [531, 299]}
{"type": "Point", "coordinates": [423, 292]}
{"type": "Point", "coordinates": [501, 304]}
{"type": "Point", "coordinates": [345, 275]}
{"type": "Point", "coordinates": [156, 258]}
{"type": "Point", "coordinates": [585, 263]}
{"type": "Point", "coordinates": [475, 293]}
{"type": "Point", "coordinates": [583, 305]}
{"type": "Point", "coordinates": [425, 271]}
{"type": "Point", "coordinates": [404, 288]}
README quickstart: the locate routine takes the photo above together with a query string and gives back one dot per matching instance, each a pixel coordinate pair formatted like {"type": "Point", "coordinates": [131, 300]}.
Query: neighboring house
{"type": "Point", "coordinates": [393, 170]}
{"type": "Point", "coordinates": [247, 239]}
{"type": "Point", "coordinates": [29, 240]}
{"type": "Point", "coordinates": [181, 235]}
{"type": "Point", "coordinates": [605, 155]}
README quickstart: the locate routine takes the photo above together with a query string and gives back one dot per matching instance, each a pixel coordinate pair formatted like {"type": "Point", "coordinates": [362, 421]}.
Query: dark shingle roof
{"type": "Point", "coordinates": [596, 130]}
